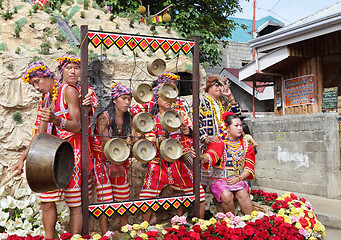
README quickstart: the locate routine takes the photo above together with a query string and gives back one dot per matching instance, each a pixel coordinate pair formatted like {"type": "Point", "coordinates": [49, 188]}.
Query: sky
{"type": "Point", "coordinates": [287, 11]}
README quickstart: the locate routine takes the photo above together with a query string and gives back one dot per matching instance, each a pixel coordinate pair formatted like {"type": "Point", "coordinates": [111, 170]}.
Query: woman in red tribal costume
{"type": "Point", "coordinates": [161, 173]}
{"type": "Point", "coordinates": [60, 115]}
{"type": "Point", "coordinates": [179, 103]}
{"type": "Point", "coordinates": [233, 161]}
{"type": "Point", "coordinates": [116, 122]}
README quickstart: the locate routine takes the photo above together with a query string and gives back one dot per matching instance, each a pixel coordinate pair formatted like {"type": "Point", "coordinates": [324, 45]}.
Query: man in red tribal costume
{"type": "Point", "coordinates": [60, 115]}
{"type": "Point", "coordinates": [179, 103]}
{"type": "Point", "coordinates": [160, 172]}
{"type": "Point", "coordinates": [233, 162]}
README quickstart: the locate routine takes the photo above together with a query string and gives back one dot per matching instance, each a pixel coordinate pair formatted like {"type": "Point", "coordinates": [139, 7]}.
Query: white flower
{"type": "Point", "coordinates": [38, 232]}
{"type": "Point", "coordinates": [36, 207]}
{"type": "Point", "coordinates": [28, 212]}
{"type": "Point", "coordinates": [28, 191]}
{"type": "Point", "coordinates": [12, 202]}
{"type": "Point", "coordinates": [22, 204]}
{"type": "Point", "coordinates": [18, 223]}
{"type": "Point", "coordinates": [5, 203]}
{"type": "Point", "coordinates": [2, 191]}
{"type": "Point", "coordinates": [57, 227]}
{"type": "Point", "coordinates": [4, 216]}
{"type": "Point", "coordinates": [19, 193]}
{"type": "Point", "coordinates": [21, 233]}
{"type": "Point", "coordinates": [27, 225]}
{"type": "Point", "coordinates": [10, 225]}
{"type": "Point", "coordinates": [33, 198]}
{"type": "Point", "coordinates": [3, 236]}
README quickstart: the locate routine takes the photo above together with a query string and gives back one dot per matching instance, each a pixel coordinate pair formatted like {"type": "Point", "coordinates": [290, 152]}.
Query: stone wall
{"type": "Point", "coordinates": [299, 153]}
{"type": "Point", "coordinates": [231, 56]}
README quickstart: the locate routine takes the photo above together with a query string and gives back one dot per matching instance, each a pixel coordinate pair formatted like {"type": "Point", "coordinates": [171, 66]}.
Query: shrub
{"type": "Point", "coordinates": [86, 4]}
{"type": "Point", "coordinates": [32, 25]}
{"type": "Point", "coordinates": [17, 117]}
{"type": "Point", "coordinates": [10, 67]}
{"type": "Point", "coordinates": [58, 45]}
{"type": "Point", "coordinates": [117, 26]}
{"type": "Point", "coordinates": [35, 8]}
{"type": "Point", "coordinates": [112, 17]}
{"type": "Point", "coordinates": [7, 15]}
{"type": "Point", "coordinates": [34, 59]}
{"type": "Point", "coordinates": [18, 26]}
{"type": "Point", "coordinates": [17, 51]}
{"type": "Point", "coordinates": [53, 20]}
{"type": "Point", "coordinates": [60, 37]}
{"type": "Point", "coordinates": [82, 14]}
{"type": "Point", "coordinates": [45, 48]}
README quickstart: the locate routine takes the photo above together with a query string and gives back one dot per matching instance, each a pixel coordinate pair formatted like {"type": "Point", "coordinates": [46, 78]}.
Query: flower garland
{"type": "Point", "coordinates": [218, 120]}
{"type": "Point", "coordinates": [171, 76]}
{"type": "Point", "coordinates": [75, 59]}
{"type": "Point", "coordinates": [26, 78]}
{"type": "Point", "coordinates": [55, 92]}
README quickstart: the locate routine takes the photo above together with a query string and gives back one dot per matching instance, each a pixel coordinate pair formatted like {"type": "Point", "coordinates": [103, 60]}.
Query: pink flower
{"type": "Point", "coordinates": [109, 234]}
{"type": "Point", "coordinates": [220, 215]}
{"type": "Point", "coordinates": [304, 232]}
{"type": "Point", "coordinates": [175, 220]}
{"type": "Point", "coordinates": [182, 220]}
{"type": "Point", "coordinates": [229, 215]}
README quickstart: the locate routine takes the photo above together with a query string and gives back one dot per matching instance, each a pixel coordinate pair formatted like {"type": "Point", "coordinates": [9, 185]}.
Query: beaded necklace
{"type": "Point", "coordinates": [218, 119]}
{"type": "Point", "coordinates": [236, 149]}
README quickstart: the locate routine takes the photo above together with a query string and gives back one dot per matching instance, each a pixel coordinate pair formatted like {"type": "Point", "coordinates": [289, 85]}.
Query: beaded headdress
{"type": "Point", "coordinates": [118, 90]}
{"type": "Point", "coordinates": [37, 69]}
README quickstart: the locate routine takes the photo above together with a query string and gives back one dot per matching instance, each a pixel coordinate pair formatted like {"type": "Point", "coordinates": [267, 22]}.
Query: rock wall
{"type": "Point", "coordinates": [299, 153]}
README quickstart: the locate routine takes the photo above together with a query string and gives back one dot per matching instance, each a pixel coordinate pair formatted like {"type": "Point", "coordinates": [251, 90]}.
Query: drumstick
{"type": "Point", "coordinates": [8, 178]}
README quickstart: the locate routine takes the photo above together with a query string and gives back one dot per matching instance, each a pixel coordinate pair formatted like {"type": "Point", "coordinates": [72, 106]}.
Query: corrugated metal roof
{"type": "Point", "coordinates": [319, 23]}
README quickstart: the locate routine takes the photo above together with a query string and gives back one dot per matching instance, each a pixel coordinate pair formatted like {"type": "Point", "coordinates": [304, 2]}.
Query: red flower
{"type": "Point", "coordinates": [65, 236]}
{"type": "Point", "coordinates": [152, 234]}
{"type": "Point", "coordinates": [104, 238]}
{"type": "Point", "coordinates": [302, 200]}
{"type": "Point", "coordinates": [196, 228]}
{"type": "Point", "coordinates": [86, 237]}
{"type": "Point", "coordinates": [287, 199]}
{"type": "Point", "coordinates": [293, 196]}
{"type": "Point", "coordinates": [303, 222]}
{"type": "Point", "coordinates": [248, 230]}
{"type": "Point", "coordinates": [297, 204]}
{"type": "Point", "coordinates": [195, 235]}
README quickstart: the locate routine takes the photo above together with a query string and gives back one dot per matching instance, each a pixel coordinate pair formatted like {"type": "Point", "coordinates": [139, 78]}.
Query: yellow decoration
{"type": "Point", "coordinates": [172, 76]}
{"type": "Point", "coordinates": [76, 59]}
{"type": "Point", "coordinates": [166, 18]}
{"type": "Point", "coordinates": [218, 119]}
{"type": "Point", "coordinates": [142, 9]}
{"type": "Point", "coordinates": [26, 78]}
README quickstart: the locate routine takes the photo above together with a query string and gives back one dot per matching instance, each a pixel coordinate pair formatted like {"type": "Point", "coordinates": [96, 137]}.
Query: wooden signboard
{"type": "Point", "coordinates": [299, 91]}
{"type": "Point", "coordinates": [329, 100]}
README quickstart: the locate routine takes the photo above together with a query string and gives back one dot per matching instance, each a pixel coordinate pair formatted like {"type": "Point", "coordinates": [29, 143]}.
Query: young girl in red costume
{"type": "Point", "coordinates": [233, 161]}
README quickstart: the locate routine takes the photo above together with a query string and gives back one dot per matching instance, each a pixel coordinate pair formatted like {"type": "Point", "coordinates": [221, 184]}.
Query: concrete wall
{"type": "Point", "coordinates": [298, 153]}
{"type": "Point", "coordinates": [231, 56]}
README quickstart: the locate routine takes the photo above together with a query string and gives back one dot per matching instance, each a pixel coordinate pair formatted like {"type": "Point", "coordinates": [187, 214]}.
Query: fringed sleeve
{"type": "Point", "coordinates": [213, 152]}
{"type": "Point", "coordinates": [250, 161]}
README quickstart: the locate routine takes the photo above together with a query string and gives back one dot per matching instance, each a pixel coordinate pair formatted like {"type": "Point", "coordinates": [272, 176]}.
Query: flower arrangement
{"type": "Point", "coordinates": [21, 217]}
{"type": "Point", "coordinates": [20, 213]}
{"type": "Point", "coordinates": [291, 218]}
